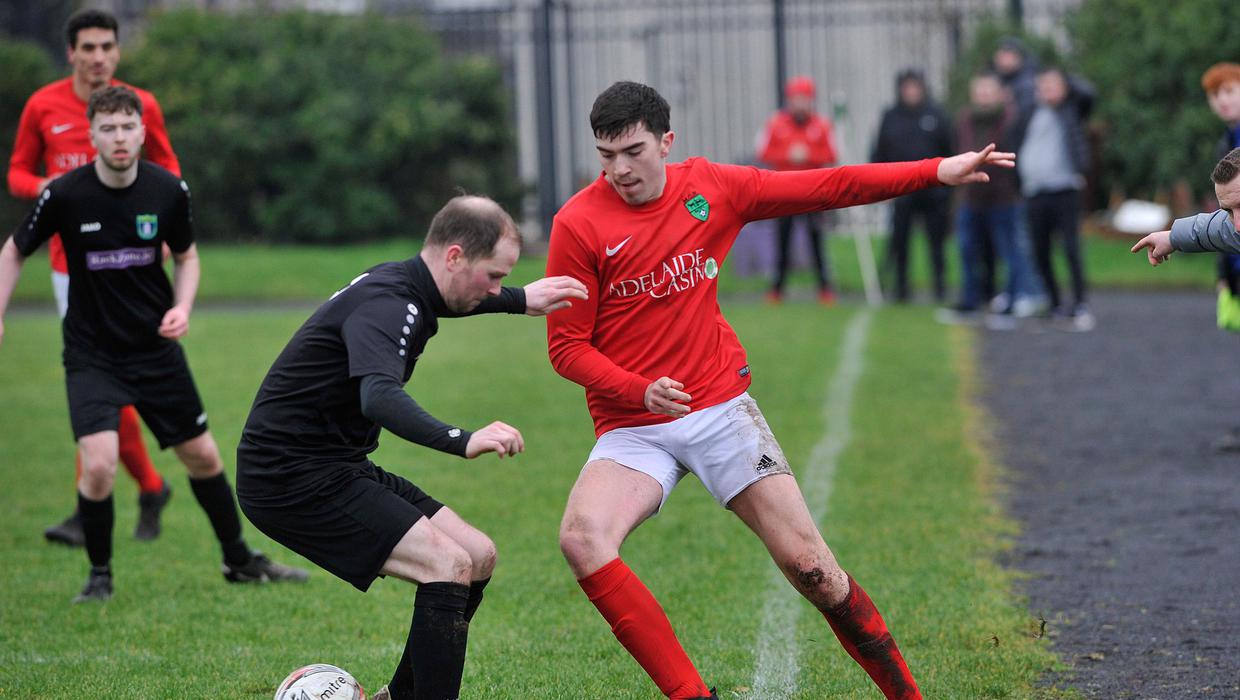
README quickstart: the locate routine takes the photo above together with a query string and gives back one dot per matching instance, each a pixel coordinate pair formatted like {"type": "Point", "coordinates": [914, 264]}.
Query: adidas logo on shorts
{"type": "Point", "coordinates": [765, 464]}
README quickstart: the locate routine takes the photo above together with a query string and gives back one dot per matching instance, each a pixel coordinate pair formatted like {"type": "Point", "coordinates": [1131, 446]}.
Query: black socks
{"type": "Point", "coordinates": [475, 597]}
{"type": "Point", "coordinates": [216, 498]}
{"type": "Point", "coordinates": [434, 658]}
{"type": "Point", "coordinates": [98, 518]}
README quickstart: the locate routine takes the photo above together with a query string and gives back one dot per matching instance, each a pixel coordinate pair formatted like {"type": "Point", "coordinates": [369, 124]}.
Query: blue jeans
{"type": "Point", "coordinates": [999, 223]}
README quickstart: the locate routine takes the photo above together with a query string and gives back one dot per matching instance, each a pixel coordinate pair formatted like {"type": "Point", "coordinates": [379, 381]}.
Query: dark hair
{"type": "Point", "coordinates": [911, 73]}
{"type": "Point", "coordinates": [1050, 68]}
{"type": "Point", "coordinates": [111, 100]}
{"type": "Point", "coordinates": [626, 104]}
{"type": "Point", "coordinates": [1227, 169]}
{"type": "Point", "coordinates": [475, 223]}
{"type": "Point", "coordinates": [1011, 43]}
{"type": "Point", "coordinates": [88, 19]}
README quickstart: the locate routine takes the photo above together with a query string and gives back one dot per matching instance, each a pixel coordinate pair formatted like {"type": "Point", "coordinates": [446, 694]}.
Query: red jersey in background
{"type": "Point", "coordinates": [786, 144]}
{"type": "Point", "coordinates": [54, 130]}
{"type": "Point", "coordinates": [652, 270]}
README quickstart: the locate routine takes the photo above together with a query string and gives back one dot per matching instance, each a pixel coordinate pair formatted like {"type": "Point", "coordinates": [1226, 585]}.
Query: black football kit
{"type": "Point", "coordinates": [113, 353]}
{"type": "Point", "coordinates": [118, 295]}
{"type": "Point", "coordinates": [303, 473]}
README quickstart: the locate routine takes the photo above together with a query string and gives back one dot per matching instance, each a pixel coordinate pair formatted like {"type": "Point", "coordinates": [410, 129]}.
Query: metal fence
{"type": "Point", "coordinates": [719, 63]}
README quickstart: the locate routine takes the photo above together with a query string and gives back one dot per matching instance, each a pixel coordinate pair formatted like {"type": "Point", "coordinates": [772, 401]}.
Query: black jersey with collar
{"type": "Point", "coordinates": [113, 238]}
{"type": "Point", "coordinates": [307, 415]}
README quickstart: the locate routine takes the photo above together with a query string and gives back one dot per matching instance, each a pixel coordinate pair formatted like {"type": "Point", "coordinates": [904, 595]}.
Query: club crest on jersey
{"type": "Point", "coordinates": [698, 207]}
{"type": "Point", "coordinates": [148, 226]}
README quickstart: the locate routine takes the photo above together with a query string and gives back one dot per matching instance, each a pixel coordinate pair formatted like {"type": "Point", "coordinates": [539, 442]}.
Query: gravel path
{"type": "Point", "coordinates": [1131, 517]}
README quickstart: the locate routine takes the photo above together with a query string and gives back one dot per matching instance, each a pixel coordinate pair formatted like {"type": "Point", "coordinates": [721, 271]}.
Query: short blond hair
{"type": "Point", "coordinates": [1218, 74]}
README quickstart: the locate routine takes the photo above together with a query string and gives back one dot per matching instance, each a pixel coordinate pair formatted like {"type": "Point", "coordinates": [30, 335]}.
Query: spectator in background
{"type": "Point", "coordinates": [1222, 86]}
{"type": "Point", "coordinates": [915, 128]}
{"type": "Point", "coordinates": [1052, 157]}
{"type": "Point", "coordinates": [798, 138]}
{"type": "Point", "coordinates": [1017, 70]}
{"type": "Point", "coordinates": [1221, 83]}
{"type": "Point", "coordinates": [988, 211]}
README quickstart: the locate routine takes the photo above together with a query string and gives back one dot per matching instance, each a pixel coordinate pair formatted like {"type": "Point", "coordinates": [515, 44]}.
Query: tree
{"type": "Point", "coordinates": [1146, 60]}
{"type": "Point", "coordinates": [315, 128]}
{"type": "Point", "coordinates": [26, 69]}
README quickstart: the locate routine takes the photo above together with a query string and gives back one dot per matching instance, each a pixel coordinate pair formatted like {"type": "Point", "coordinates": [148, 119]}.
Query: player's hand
{"type": "Point", "coordinates": [963, 169]}
{"type": "Point", "coordinates": [500, 438]}
{"type": "Point", "coordinates": [1157, 245]}
{"type": "Point", "coordinates": [664, 396]}
{"type": "Point", "coordinates": [552, 294]}
{"type": "Point", "coordinates": [175, 324]}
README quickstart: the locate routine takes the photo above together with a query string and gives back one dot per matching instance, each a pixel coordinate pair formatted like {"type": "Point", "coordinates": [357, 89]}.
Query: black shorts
{"type": "Point", "coordinates": [158, 384]}
{"type": "Point", "coordinates": [350, 526]}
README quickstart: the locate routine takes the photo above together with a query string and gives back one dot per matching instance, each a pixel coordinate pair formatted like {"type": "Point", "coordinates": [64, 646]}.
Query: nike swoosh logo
{"type": "Point", "coordinates": [612, 251]}
{"type": "Point", "coordinates": [61, 128]}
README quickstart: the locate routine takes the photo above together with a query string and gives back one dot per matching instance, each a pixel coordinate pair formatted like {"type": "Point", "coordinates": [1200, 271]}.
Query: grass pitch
{"type": "Point", "coordinates": [912, 515]}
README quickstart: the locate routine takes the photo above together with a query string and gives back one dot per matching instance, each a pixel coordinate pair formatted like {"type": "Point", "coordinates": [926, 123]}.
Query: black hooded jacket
{"type": "Point", "coordinates": [912, 132]}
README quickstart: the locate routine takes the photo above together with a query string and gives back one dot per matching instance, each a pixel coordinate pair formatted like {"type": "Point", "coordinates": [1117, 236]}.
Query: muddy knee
{"type": "Point", "coordinates": [823, 585]}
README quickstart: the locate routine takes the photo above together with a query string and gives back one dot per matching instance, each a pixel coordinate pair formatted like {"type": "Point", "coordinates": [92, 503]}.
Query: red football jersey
{"type": "Point", "coordinates": [54, 131]}
{"type": "Point", "coordinates": [652, 273]}
{"type": "Point", "coordinates": [786, 144]}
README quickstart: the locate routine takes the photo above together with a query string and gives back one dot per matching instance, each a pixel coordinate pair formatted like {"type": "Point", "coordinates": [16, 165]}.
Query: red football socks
{"type": "Point", "coordinates": [864, 635]}
{"type": "Point", "coordinates": [134, 455]}
{"type": "Point", "coordinates": [640, 624]}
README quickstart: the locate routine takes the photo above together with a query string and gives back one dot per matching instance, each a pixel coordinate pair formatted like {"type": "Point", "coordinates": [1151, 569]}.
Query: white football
{"type": "Point", "coordinates": [320, 682]}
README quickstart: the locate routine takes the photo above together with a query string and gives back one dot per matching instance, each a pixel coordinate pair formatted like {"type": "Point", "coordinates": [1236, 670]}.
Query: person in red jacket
{"type": "Point", "coordinates": [53, 135]}
{"type": "Point", "coordinates": [798, 138]}
{"type": "Point", "coordinates": [666, 378]}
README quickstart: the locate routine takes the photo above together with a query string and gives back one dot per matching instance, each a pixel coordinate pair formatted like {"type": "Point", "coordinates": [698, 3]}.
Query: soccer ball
{"type": "Point", "coordinates": [320, 682]}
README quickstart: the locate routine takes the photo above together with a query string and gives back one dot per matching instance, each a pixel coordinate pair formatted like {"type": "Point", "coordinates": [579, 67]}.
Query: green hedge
{"type": "Point", "coordinates": [303, 127]}
{"type": "Point", "coordinates": [26, 68]}
{"type": "Point", "coordinates": [1146, 59]}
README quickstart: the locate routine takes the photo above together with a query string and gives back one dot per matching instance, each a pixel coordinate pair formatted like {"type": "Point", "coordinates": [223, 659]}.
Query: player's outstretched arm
{"type": "Point", "coordinates": [963, 169]}
{"type": "Point", "coordinates": [551, 294]}
{"type": "Point", "coordinates": [500, 438]}
{"type": "Point", "coordinates": [1157, 247]}
{"type": "Point", "coordinates": [10, 269]}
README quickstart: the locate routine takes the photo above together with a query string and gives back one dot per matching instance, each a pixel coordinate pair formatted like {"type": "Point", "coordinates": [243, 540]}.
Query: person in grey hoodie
{"type": "Point", "coordinates": [1203, 233]}
{"type": "Point", "coordinates": [1052, 159]}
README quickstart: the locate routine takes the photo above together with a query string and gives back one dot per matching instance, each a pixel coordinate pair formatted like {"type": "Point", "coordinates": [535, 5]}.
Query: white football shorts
{"type": "Point", "coordinates": [727, 447]}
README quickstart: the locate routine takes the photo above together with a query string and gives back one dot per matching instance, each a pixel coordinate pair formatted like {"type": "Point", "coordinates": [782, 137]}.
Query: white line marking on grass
{"type": "Point", "coordinates": [775, 677]}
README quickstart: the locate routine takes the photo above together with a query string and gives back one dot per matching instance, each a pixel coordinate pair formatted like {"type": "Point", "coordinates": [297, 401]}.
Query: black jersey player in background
{"type": "Point", "coordinates": [121, 331]}
{"type": "Point", "coordinates": [303, 476]}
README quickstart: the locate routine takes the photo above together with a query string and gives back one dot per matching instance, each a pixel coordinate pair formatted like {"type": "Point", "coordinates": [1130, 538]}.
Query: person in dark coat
{"type": "Point", "coordinates": [912, 129]}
